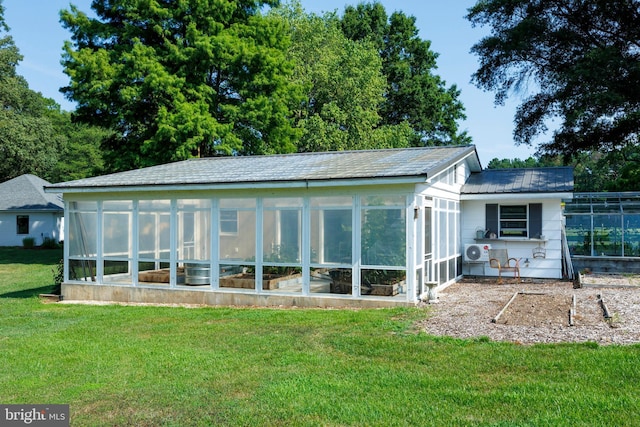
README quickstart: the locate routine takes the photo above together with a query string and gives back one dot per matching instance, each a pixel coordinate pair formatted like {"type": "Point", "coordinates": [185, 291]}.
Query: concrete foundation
{"type": "Point", "coordinates": [152, 295]}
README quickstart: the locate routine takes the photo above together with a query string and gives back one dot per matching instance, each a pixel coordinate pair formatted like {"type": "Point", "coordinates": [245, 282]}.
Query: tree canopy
{"type": "Point", "coordinates": [343, 87]}
{"type": "Point", "coordinates": [28, 140]}
{"type": "Point", "coordinates": [577, 61]}
{"type": "Point", "coordinates": [413, 94]}
{"type": "Point", "coordinates": [180, 79]}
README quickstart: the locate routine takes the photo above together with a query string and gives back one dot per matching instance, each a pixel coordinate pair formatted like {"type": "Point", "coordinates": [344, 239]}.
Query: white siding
{"type": "Point", "coordinates": [41, 224]}
{"type": "Point", "coordinates": [550, 267]}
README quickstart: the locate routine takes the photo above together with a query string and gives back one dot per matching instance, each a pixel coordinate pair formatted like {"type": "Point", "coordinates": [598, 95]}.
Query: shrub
{"type": "Point", "coordinates": [58, 278]}
{"type": "Point", "coordinates": [29, 242]}
{"type": "Point", "coordinates": [49, 243]}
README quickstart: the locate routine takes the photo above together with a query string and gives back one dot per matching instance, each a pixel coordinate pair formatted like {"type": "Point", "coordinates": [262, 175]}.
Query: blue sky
{"type": "Point", "coordinates": [38, 34]}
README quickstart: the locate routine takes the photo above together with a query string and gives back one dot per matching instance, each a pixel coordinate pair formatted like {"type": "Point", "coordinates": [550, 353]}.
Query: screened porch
{"type": "Point", "coordinates": [358, 245]}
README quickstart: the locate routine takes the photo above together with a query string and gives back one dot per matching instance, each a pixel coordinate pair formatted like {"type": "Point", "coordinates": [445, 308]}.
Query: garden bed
{"type": "Point", "coordinates": [248, 281]}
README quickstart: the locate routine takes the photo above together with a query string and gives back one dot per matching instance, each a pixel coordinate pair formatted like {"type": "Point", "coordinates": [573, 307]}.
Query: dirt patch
{"type": "Point", "coordinates": [610, 280]}
{"type": "Point", "coordinates": [466, 310]}
{"type": "Point", "coordinates": [528, 309]}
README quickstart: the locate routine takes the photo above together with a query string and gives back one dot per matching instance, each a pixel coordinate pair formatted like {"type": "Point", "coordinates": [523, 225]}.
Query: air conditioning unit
{"type": "Point", "coordinates": [475, 252]}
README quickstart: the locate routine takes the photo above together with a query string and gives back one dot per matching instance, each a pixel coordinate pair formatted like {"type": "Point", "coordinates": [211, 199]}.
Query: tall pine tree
{"type": "Point", "coordinates": [181, 79]}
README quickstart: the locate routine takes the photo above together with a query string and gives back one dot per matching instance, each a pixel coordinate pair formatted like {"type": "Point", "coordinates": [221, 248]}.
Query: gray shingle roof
{"type": "Point", "coordinates": [26, 192]}
{"type": "Point", "coordinates": [409, 162]}
{"type": "Point", "coordinates": [531, 180]}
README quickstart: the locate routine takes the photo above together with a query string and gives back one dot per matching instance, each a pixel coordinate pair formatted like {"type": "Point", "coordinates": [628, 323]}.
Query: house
{"type": "Point", "coordinates": [27, 211]}
{"type": "Point", "coordinates": [519, 210]}
{"type": "Point", "coordinates": [354, 228]}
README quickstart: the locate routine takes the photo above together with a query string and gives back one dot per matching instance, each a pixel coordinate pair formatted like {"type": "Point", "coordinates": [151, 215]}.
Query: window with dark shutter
{"type": "Point", "coordinates": [514, 220]}
{"type": "Point", "coordinates": [491, 218]}
{"type": "Point", "coordinates": [535, 220]}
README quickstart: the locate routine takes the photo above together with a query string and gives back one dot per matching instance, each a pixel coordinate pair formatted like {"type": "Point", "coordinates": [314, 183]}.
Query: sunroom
{"type": "Point", "coordinates": [359, 228]}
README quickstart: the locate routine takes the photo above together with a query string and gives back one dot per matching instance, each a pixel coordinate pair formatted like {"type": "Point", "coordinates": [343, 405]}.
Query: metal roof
{"type": "Point", "coordinates": [26, 192]}
{"type": "Point", "coordinates": [279, 169]}
{"type": "Point", "coordinates": [526, 180]}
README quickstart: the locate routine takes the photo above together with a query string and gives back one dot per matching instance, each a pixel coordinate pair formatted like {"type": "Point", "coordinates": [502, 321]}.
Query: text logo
{"type": "Point", "coordinates": [34, 415]}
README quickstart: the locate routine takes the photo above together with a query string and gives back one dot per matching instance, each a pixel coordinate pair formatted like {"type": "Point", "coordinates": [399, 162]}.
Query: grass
{"type": "Point", "coordinates": [155, 366]}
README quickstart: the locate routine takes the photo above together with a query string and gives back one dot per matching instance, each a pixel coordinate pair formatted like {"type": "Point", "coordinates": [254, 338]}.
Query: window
{"type": "Point", "coordinates": [513, 221]}
{"type": "Point", "coordinates": [22, 223]}
{"type": "Point", "coordinates": [228, 221]}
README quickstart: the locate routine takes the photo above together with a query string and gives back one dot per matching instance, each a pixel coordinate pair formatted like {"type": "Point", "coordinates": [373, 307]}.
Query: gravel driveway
{"type": "Point", "coordinates": [467, 309]}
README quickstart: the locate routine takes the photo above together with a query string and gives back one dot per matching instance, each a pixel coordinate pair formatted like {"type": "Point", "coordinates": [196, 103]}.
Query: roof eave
{"type": "Point", "coordinates": [518, 196]}
{"type": "Point", "coordinates": [321, 183]}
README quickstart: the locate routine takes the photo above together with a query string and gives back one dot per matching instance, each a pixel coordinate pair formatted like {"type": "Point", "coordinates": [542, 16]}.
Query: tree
{"type": "Point", "coordinates": [180, 79]}
{"type": "Point", "coordinates": [28, 143]}
{"type": "Point", "coordinates": [342, 83]}
{"type": "Point", "coordinates": [413, 93]}
{"type": "Point", "coordinates": [614, 171]}
{"type": "Point", "coordinates": [593, 171]}
{"type": "Point", "coordinates": [81, 156]}
{"type": "Point", "coordinates": [572, 60]}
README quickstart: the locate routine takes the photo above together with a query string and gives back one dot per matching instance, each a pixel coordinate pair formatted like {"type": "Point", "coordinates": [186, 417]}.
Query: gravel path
{"type": "Point", "coordinates": [466, 310]}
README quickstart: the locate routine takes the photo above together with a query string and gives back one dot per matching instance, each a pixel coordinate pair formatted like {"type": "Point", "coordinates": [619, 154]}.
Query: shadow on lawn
{"type": "Point", "coordinates": [28, 293]}
{"type": "Point", "coordinates": [19, 255]}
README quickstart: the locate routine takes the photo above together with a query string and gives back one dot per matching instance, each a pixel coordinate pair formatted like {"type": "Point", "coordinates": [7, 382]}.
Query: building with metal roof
{"type": "Point", "coordinates": [520, 211]}
{"type": "Point", "coordinates": [353, 228]}
{"type": "Point", "coordinates": [525, 180]}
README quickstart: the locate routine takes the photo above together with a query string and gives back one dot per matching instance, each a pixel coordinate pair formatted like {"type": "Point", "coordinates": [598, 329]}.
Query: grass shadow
{"type": "Point", "coordinates": [28, 293]}
{"type": "Point", "coordinates": [20, 255]}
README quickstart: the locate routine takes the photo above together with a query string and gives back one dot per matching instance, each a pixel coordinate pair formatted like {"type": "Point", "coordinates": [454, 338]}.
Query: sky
{"type": "Point", "coordinates": [38, 34]}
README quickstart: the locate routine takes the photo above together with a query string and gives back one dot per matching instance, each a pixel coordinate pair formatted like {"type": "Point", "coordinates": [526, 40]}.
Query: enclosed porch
{"type": "Point", "coordinates": [350, 246]}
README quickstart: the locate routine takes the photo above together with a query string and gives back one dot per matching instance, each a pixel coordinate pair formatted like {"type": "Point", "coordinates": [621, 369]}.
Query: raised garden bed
{"type": "Point", "coordinates": [247, 281]}
{"type": "Point", "coordinates": [159, 276]}
{"type": "Point", "coordinates": [341, 284]}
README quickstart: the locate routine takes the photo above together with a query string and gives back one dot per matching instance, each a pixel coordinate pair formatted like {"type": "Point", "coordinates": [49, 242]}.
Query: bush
{"type": "Point", "coordinates": [29, 242]}
{"type": "Point", "coordinates": [49, 243]}
{"type": "Point", "coordinates": [58, 278]}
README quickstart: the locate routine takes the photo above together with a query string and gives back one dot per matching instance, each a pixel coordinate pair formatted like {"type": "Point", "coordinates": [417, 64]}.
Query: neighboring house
{"type": "Point", "coordinates": [27, 211]}
{"type": "Point", "coordinates": [353, 228]}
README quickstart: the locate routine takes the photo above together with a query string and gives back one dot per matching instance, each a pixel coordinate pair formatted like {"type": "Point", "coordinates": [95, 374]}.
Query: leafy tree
{"type": "Point", "coordinates": [180, 79]}
{"type": "Point", "coordinates": [343, 86]}
{"type": "Point", "coordinates": [81, 156]}
{"type": "Point", "coordinates": [413, 93]}
{"type": "Point", "coordinates": [513, 163]}
{"type": "Point", "coordinates": [530, 162]}
{"type": "Point", "coordinates": [28, 143]}
{"type": "Point", "coordinates": [614, 171]}
{"type": "Point", "coordinates": [593, 171]}
{"type": "Point", "coordinates": [573, 60]}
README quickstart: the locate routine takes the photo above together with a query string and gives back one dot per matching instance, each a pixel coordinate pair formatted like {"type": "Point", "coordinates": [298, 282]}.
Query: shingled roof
{"type": "Point", "coordinates": [527, 180]}
{"type": "Point", "coordinates": [26, 193]}
{"type": "Point", "coordinates": [419, 163]}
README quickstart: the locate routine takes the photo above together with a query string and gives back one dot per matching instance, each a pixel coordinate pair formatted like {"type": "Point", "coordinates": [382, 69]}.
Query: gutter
{"type": "Point", "coordinates": [323, 183]}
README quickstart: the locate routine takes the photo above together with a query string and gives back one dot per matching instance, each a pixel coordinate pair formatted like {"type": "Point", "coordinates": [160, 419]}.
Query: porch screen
{"type": "Point", "coordinates": [153, 230]}
{"type": "Point", "coordinates": [331, 230]}
{"type": "Point", "coordinates": [383, 231]}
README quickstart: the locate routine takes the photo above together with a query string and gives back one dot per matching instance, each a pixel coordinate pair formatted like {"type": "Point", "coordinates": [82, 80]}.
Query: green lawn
{"type": "Point", "coordinates": [238, 366]}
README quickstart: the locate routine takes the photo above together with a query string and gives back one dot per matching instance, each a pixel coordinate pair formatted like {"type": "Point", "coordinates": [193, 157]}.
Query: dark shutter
{"type": "Point", "coordinates": [491, 218]}
{"type": "Point", "coordinates": [535, 220]}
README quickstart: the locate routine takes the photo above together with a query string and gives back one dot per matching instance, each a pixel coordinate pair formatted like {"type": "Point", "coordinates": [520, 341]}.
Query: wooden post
{"type": "Point", "coordinates": [495, 319]}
